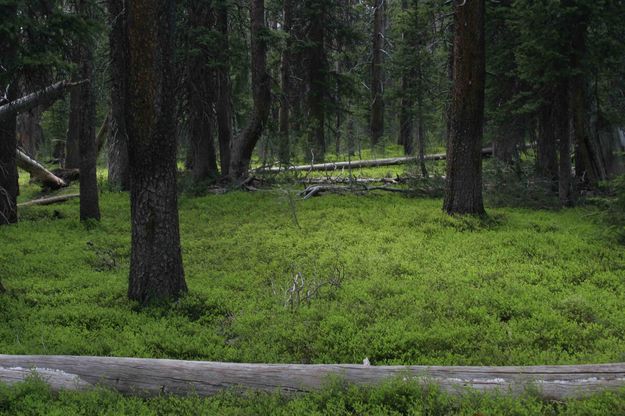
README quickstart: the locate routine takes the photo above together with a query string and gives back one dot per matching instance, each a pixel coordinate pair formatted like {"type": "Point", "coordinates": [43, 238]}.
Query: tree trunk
{"type": "Point", "coordinates": [200, 95]}
{"type": "Point", "coordinates": [156, 272]}
{"type": "Point", "coordinates": [72, 142]}
{"type": "Point", "coordinates": [285, 77]}
{"type": "Point", "coordinates": [29, 131]}
{"type": "Point", "coordinates": [89, 197]}
{"type": "Point", "coordinates": [224, 91]}
{"type": "Point", "coordinates": [421, 132]}
{"type": "Point", "coordinates": [406, 116]}
{"type": "Point", "coordinates": [9, 187]}
{"type": "Point", "coordinates": [243, 146]}
{"type": "Point", "coordinates": [463, 193]}
{"type": "Point", "coordinates": [377, 83]}
{"type": "Point", "coordinates": [547, 157]}
{"type": "Point", "coordinates": [37, 171]}
{"type": "Point", "coordinates": [317, 71]}
{"type": "Point", "coordinates": [118, 169]}
{"type": "Point", "coordinates": [564, 122]}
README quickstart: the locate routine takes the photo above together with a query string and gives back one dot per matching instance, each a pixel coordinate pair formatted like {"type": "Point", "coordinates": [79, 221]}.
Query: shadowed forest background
{"type": "Point", "coordinates": [406, 182]}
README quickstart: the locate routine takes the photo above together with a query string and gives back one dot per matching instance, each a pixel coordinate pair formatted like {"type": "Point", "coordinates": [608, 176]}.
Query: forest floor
{"type": "Point", "coordinates": [383, 277]}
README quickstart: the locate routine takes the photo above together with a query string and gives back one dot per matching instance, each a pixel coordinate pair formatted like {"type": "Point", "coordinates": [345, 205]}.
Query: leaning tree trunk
{"type": "Point", "coordinates": [200, 95]}
{"type": "Point", "coordinates": [463, 193]}
{"type": "Point", "coordinates": [89, 198]}
{"type": "Point", "coordinates": [118, 169]}
{"type": "Point", "coordinates": [223, 107]}
{"type": "Point", "coordinates": [8, 141]}
{"type": "Point", "coordinates": [243, 146]}
{"type": "Point", "coordinates": [377, 85]}
{"type": "Point", "coordinates": [156, 272]}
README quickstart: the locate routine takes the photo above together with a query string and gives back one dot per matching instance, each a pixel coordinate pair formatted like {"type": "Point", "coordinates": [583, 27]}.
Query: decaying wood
{"type": "Point", "coordinates": [37, 171]}
{"type": "Point", "coordinates": [42, 97]}
{"type": "Point", "coordinates": [317, 190]}
{"type": "Point", "coordinates": [330, 180]}
{"type": "Point", "coordinates": [149, 377]}
{"type": "Point", "coordinates": [358, 164]}
{"type": "Point", "coordinates": [49, 201]}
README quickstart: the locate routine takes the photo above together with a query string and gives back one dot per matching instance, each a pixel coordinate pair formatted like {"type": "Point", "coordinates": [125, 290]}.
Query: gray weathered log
{"type": "Point", "coordinates": [148, 377]}
{"type": "Point", "coordinates": [42, 97]}
{"type": "Point", "coordinates": [49, 201]}
{"type": "Point", "coordinates": [357, 164]}
{"type": "Point", "coordinates": [37, 171]}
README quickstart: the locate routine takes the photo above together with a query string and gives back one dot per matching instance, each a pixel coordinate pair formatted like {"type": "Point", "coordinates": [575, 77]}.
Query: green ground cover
{"type": "Point", "coordinates": [391, 278]}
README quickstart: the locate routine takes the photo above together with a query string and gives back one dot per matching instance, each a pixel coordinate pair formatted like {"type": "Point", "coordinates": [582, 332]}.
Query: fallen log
{"type": "Point", "coordinates": [316, 190]}
{"type": "Point", "coordinates": [151, 377]}
{"type": "Point", "coordinates": [44, 97]}
{"type": "Point", "coordinates": [358, 164]}
{"type": "Point", "coordinates": [37, 171]}
{"type": "Point", "coordinates": [49, 201]}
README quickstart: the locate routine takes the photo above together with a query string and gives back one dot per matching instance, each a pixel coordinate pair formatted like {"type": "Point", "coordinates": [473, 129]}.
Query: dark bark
{"type": "Point", "coordinates": [29, 131]}
{"type": "Point", "coordinates": [421, 133]}
{"type": "Point", "coordinates": [8, 141]}
{"type": "Point", "coordinates": [156, 272]}
{"type": "Point", "coordinates": [317, 72]}
{"type": "Point", "coordinates": [463, 193]}
{"type": "Point", "coordinates": [200, 95]}
{"type": "Point", "coordinates": [406, 117]}
{"type": "Point", "coordinates": [563, 121]}
{"type": "Point", "coordinates": [547, 156]}
{"type": "Point", "coordinates": [44, 97]}
{"type": "Point", "coordinates": [72, 142]}
{"type": "Point", "coordinates": [285, 77]}
{"type": "Point", "coordinates": [377, 83]}
{"type": "Point", "coordinates": [118, 169]}
{"type": "Point", "coordinates": [85, 123]}
{"type": "Point", "coordinates": [243, 146]}
{"type": "Point", "coordinates": [223, 107]}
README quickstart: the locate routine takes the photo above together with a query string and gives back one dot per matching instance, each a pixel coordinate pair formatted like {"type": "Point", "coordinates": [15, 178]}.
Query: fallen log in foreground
{"type": "Point", "coordinates": [37, 171]}
{"type": "Point", "coordinates": [49, 201]}
{"type": "Point", "coordinates": [358, 164]}
{"type": "Point", "coordinates": [149, 377]}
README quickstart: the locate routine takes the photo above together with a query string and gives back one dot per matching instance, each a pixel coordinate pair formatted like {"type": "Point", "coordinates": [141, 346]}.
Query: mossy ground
{"type": "Point", "coordinates": [398, 282]}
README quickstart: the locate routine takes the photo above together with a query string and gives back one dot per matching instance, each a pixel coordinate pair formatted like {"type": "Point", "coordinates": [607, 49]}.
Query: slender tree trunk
{"type": "Point", "coordinates": [118, 169]}
{"type": "Point", "coordinates": [547, 157]}
{"type": "Point", "coordinates": [377, 83]}
{"type": "Point", "coordinates": [285, 77]}
{"type": "Point", "coordinates": [421, 132]}
{"type": "Point", "coordinates": [72, 142]}
{"type": "Point", "coordinates": [317, 71]}
{"type": "Point", "coordinates": [89, 198]}
{"type": "Point", "coordinates": [200, 95]}
{"type": "Point", "coordinates": [564, 122]}
{"type": "Point", "coordinates": [464, 160]}
{"type": "Point", "coordinates": [156, 272]}
{"type": "Point", "coordinates": [9, 188]}
{"type": "Point", "coordinates": [243, 146]}
{"type": "Point", "coordinates": [406, 116]}
{"type": "Point", "coordinates": [223, 106]}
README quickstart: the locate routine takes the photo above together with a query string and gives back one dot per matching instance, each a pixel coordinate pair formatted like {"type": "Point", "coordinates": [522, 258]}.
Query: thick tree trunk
{"type": "Point", "coordinates": [118, 169]}
{"type": "Point", "coordinates": [156, 272]}
{"type": "Point", "coordinates": [223, 106]}
{"type": "Point", "coordinates": [200, 95]}
{"type": "Point", "coordinates": [243, 146]}
{"type": "Point", "coordinates": [9, 187]}
{"type": "Point", "coordinates": [463, 193]}
{"type": "Point", "coordinates": [377, 82]}
{"type": "Point", "coordinates": [72, 141]}
{"type": "Point", "coordinates": [89, 197]}
{"type": "Point", "coordinates": [317, 82]}
{"type": "Point", "coordinates": [285, 77]}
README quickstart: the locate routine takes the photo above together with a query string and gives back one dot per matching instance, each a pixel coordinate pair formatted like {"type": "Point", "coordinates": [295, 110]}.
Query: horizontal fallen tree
{"type": "Point", "coordinates": [49, 201]}
{"type": "Point", "coordinates": [317, 190]}
{"type": "Point", "coordinates": [38, 171]}
{"type": "Point", "coordinates": [358, 164]}
{"type": "Point", "coordinates": [150, 377]}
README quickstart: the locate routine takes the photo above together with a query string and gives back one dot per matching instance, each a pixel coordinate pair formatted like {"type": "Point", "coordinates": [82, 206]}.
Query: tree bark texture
{"type": "Point", "coordinates": [156, 272]}
{"type": "Point", "coordinates": [89, 197]}
{"type": "Point", "coordinates": [223, 107]}
{"type": "Point", "coordinates": [200, 96]}
{"type": "Point", "coordinates": [119, 173]}
{"type": "Point", "coordinates": [463, 193]}
{"type": "Point", "coordinates": [377, 80]}
{"type": "Point", "coordinates": [243, 146]}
